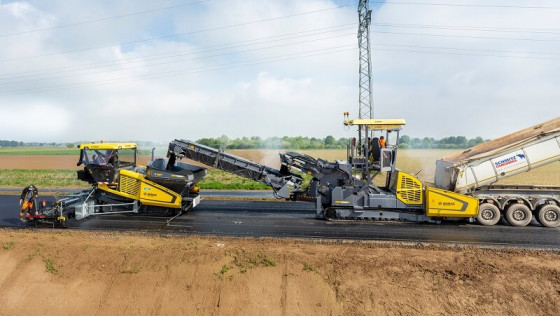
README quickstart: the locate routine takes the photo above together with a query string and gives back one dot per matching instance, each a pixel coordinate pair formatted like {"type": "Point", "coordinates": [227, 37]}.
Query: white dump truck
{"type": "Point", "coordinates": [475, 170]}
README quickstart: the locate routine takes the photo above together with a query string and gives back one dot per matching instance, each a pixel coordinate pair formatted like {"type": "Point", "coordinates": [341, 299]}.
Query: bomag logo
{"type": "Point", "coordinates": [446, 203]}
{"type": "Point", "coordinates": [150, 194]}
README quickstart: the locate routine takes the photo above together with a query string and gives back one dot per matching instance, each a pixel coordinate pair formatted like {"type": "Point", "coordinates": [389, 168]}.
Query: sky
{"type": "Point", "coordinates": [160, 70]}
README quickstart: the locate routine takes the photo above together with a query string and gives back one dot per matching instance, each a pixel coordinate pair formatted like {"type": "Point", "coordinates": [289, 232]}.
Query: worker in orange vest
{"type": "Point", "coordinates": [382, 142]}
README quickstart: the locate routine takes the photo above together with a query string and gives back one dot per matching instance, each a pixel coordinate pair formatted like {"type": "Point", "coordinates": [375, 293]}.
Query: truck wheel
{"type": "Point", "coordinates": [549, 215]}
{"type": "Point", "coordinates": [488, 214]}
{"type": "Point", "coordinates": [519, 214]}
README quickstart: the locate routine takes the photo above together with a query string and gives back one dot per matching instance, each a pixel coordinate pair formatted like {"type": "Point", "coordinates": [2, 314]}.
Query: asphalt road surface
{"type": "Point", "coordinates": [297, 219]}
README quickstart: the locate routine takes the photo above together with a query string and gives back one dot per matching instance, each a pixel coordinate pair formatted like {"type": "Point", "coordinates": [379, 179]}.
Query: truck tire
{"type": "Point", "coordinates": [549, 215]}
{"type": "Point", "coordinates": [488, 214]}
{"type": "Point", "coordinates": [519, 215]}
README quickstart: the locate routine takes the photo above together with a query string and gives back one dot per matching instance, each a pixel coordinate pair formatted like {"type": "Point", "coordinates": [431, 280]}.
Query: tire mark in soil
{"type": "Point", "coordinates": [159, 305]}
{"type": "Point", "coordinates": [105, 295]}
{"type": "Point", "coordinates": [284, 287]}
{"type": "Point", "coordinates": [212, 292]}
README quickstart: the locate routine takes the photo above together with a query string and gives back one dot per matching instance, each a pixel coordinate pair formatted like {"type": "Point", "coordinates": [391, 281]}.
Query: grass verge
{"type": "Point", "coordinates": [59, 151]}
{"type": "Point", "coordinates": [42, 178]}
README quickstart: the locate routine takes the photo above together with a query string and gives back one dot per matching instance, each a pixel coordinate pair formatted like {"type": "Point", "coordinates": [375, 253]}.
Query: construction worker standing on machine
{"type": "Point", "coordinates": [382, 142]}
{"type": "Point", "coordinates": [27, 200]}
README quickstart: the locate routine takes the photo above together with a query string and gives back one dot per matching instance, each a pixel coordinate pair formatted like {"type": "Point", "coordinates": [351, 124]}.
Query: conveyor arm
{"type": "Point", "coordinates": [283, 182]}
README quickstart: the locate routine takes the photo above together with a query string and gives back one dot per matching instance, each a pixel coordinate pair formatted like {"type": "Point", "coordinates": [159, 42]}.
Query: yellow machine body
{"type": "Point", "coordinates": [442, 203]}
{"type": "Point", "coordinates": [409, 189]}
{"type": "Point", "coordinates": [436, 202]}
{"type": "Point", "coordinates": [135, 186]}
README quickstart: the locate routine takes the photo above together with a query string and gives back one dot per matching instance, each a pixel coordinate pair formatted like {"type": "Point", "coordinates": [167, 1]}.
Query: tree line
{"type": "Point", "coordinates": [452, 142]}
{"type": "Point", "coordinates": [329, 142]}
{"type": "Point", "coordinates": [297, 142]}
{"type": "Point", "coordinates": [13, 143]}
{"type": "Point", "coordinates": [286, 142]}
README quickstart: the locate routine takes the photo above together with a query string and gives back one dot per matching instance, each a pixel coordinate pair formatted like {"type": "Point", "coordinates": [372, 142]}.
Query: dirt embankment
{"type": "Point", "coordinates": [71, 272]}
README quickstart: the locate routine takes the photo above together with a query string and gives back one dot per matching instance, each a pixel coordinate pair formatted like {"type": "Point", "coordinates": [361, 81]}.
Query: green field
{"type": "Point", "coordinates": [61, 151]}
{"type": "Point", "coordinates": [20, 178]}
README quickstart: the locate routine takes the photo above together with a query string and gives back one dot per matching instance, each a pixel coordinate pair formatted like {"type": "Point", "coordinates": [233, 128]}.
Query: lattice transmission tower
{"type": "Point", "coordinates": [365, 98]}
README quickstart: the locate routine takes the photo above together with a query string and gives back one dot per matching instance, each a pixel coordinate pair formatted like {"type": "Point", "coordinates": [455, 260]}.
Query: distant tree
{"type": "Point", "coordinates": [416, 143]}
{"type": "Point", "coordinates": [329, 141]}
{"type": "Point", "coordinates": [210, 142]}
{"type": "Point", "coordinates": [405, 139]}
{"type": "Point", "coordinates": [452, 140]}
{"type": "Point", "coordinates": [70, 145]}
{"type": "Point", "coordinates": [461, 141]}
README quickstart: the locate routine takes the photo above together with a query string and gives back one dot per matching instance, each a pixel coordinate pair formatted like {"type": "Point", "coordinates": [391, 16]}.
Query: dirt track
{"type": "Point", "coordinates": [70, 272]}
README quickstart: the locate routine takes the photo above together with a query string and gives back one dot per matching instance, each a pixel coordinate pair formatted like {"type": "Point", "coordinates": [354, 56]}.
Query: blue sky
{"type": "Point", "coordinates": [145, 70]}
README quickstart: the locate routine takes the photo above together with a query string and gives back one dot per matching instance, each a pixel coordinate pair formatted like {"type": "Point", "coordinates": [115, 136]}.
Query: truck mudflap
{"type": "Point", "coordinates": [442, 203]}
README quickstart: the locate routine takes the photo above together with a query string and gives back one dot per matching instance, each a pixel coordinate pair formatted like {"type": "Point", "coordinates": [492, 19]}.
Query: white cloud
{"type": "Point", "coordinates": [233, 80]}
{"type": "Point", "coordinates": [36, 121]}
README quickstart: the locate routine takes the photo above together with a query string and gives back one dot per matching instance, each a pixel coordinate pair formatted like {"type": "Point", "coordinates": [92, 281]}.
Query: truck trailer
{"type": "Point", "coordinates": [475, 171]}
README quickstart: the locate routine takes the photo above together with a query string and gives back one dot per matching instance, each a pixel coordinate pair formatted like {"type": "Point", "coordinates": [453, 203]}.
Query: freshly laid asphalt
{"type": "Point", "coordinates": [297, 219]}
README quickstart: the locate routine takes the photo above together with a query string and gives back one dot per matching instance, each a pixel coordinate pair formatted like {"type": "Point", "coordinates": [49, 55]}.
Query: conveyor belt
{"type": "Point", "coordinates": [282, 181]}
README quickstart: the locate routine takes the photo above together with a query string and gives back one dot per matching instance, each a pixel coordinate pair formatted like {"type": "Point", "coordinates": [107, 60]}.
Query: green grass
{"type": "Point", "coordinates": [9, 245]}
{"type": "Point", "coordinates": [269, 262]}
{"type": "Point", "coordinates": [39, 151]}
{"type": "Point", "coordinates": [130, 271]}
{"type": "Point", "coordinates": [308, 267]}
{"type": "Point", "coordinates": [49, 266]}
{"type": "Point", "coordinates": [61, 151]}
{"type": "Point", "coordinates": [41, 178]}
{"type": "Point", "coordinates": [244, 260]}
{"type": "Point", "coordinates": [221, 180]}
{"type": "Point", "coordinates": [225, 268]}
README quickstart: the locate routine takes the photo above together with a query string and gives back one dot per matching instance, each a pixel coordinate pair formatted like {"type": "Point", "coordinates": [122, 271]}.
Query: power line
{"type": "Point", "coordinates": [202, 1]}
{"type": "Point", "coordinates": [181, 72]}
{"type": "Point", "coordinates": [272, 59]}
{"type": "Point", "coordinates": [471, 49]}
{"type": "Point", "coordinates": [464, 5]}
{"type": "Point", "coordinates": [241, 45]}
{"type": "Point", "coordinates": [175, 35]}
{"type": "Point", "coordinates": [171, 62]}
{"type": "Point", "coordinates": [262, 40]}
{"type": "Point", "coordinates": [210, 49]}
{"type": "Point", "coordinates": [467, 36]}
{"type": "Point", "coordinates": [103, 19]}
{"type": "Point", "coordinates": [472, 28]}
{"type": "Point", "coordinates": [463, 54]}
